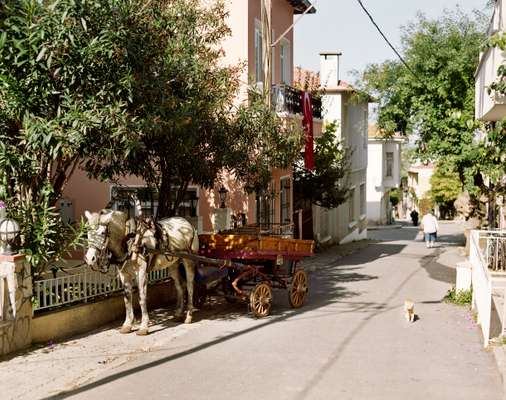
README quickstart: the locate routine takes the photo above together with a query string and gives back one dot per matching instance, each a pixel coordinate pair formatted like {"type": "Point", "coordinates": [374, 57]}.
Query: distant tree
{"type": "Point", "coordinates": [425, 205]}
{"type": "Point", "coordinates": [445, 187]}
{"type": "Point", "coordinates": [434, 102]}
{"type": "Point", "coordinates": [395, 196]}
{"type": "Point", "coordinates": [328, 184]}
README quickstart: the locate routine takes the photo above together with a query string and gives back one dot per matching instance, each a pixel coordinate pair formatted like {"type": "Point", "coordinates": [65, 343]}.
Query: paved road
{"type": "Point", "coordinates": [350, 341]}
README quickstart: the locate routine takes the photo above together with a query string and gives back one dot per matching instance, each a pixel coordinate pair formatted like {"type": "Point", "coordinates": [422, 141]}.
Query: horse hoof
{"type": "Point", "coordinates": [188, 320]}
{"type": "Point", "coordinates": [142, 332]}
{"type": "Point", "coordinates": [125, 329]}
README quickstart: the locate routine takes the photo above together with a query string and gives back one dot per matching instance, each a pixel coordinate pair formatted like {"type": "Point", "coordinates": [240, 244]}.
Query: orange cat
{"type": "Point", "coordinates": [409, 309]}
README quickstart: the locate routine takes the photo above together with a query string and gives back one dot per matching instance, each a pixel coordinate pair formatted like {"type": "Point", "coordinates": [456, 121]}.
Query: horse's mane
{"type": "Point", "coordinates": [117, 231]}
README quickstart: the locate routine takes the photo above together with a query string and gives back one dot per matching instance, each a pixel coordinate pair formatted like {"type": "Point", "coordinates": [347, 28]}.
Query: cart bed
{"type": "Point", "coordinates": [229, 246]}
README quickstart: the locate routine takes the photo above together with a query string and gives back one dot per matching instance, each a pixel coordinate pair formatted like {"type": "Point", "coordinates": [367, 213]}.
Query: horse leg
{"type": "Point", "coordinates": [174, 273]}
{"type": "Point", "coordinates": [142, 282]}
{"type": "Point", "coordinates": [125, 274]}
{"type": "Point", "coordinates": [189, 267]}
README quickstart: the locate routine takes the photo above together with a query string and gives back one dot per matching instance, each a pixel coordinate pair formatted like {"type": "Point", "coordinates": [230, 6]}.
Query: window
{"type": "Point", "coordinates": [273, 60]}
{"type": "Point", "coordinates": [265, 207]}
{"type": "Point", "coordinates": [362, 199]}
{"type": "Point", "coordinates": [366, 136]}
{"type": "Point", "coordinates": [352, 205]}
{"type": "Point", "coordinates": [285, 201]}
{"type": "Point", "coordinates": [285, 62]}
{"type": "Point", "coordinates": [259, 66]}
{"type": "Point", "coordinates": [122, 200]}
{"type": "Point", "coordinates": [390, 164]}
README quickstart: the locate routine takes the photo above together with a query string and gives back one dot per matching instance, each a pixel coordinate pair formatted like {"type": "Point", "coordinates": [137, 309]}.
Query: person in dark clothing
{"type": "Point", "coordinates": [414, 217]}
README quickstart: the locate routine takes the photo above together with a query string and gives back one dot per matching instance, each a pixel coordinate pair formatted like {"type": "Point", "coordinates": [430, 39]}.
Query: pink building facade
{"type": "Point", "coordinates": [203, 206]}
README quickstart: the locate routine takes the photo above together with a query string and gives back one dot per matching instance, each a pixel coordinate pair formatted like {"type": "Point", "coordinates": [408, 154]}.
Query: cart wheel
{"type": "Point", "coordinates": [260, 299]}
{"type": "Point", "coordinates": [298, 289]}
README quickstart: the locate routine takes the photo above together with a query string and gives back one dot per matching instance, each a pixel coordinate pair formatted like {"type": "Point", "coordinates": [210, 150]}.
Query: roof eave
{"type": "Point", "coordinates": [300, 6]}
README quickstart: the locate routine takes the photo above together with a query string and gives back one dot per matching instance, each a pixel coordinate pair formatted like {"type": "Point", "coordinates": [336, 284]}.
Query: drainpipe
{"type": "Point", "coordinates": [266, 16]}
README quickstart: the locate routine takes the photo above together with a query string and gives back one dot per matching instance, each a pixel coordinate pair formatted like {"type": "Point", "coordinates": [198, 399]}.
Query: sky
{"type": "Point", "coordinates": [342, 25]}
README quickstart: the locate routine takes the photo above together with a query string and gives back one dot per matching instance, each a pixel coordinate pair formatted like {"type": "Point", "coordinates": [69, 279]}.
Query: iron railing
{"type": "Point", "coordinates": [289, 99]}
{"type": "Point", "coordinates": [492, 248]}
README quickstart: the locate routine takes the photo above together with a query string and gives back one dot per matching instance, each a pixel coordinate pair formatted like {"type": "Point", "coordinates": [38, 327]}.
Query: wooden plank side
{"type": "Point", "coordinates": [249, 245]}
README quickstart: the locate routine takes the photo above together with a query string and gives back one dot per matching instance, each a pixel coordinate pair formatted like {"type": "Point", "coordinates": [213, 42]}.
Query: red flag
{"type": "Point", "coordinates": [307, 123]}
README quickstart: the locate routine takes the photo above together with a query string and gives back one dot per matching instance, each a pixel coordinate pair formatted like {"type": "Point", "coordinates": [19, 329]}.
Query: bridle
{"type": "Point", "coordinates": [100, 243]}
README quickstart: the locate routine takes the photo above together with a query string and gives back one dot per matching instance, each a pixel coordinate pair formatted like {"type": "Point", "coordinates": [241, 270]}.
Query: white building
{"type": "Point", "coordinates": [348, 222]}
{"type": "Point", "coordinates": [491, 107]}
{"type": "Point", "coordinates": [383, 174]}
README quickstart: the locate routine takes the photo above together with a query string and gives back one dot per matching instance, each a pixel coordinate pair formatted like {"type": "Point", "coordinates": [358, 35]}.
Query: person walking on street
{"type": "Point", "coordinates": [430, 228]}
{"type": "Point", "coordinates": [414, 217]}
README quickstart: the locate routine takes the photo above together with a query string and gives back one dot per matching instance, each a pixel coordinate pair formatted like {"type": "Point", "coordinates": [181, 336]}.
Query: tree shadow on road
{"type": "Point", "coordinates": [438, 271]}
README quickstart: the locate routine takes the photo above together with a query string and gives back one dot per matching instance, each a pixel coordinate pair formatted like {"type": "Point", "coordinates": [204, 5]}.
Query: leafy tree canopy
{"type": "Point", "coordinates": [445, 185]}
{"type": "Point", "coordinates": [434, 102]}
{"type": "Point", "coordinates": [184, 104]}
{"type": "Point", "coordinates": [122, 87]}
{"type": "Point", "coordinates": [65, 82]}
{"type": "Point", "coordinates": [327, 185]}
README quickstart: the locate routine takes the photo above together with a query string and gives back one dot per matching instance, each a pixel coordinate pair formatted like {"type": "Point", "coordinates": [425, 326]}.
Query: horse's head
{"type": "Point", "coordinates": [98, 236]}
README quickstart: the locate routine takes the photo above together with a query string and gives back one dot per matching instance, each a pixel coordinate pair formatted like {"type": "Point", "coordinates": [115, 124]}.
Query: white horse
{"type": "Point", "coordinates": [108, 233]}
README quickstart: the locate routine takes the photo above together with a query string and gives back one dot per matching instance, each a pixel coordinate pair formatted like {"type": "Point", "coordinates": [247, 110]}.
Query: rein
{"type": "Point", "coordinates": [100, 242]}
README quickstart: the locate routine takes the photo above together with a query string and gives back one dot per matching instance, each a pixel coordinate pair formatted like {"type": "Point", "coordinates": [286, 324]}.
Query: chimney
{"type": "Point", "coordinates": [329, 68]}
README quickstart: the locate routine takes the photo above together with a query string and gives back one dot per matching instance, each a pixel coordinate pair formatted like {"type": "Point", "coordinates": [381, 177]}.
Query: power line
{"type": "Point", "coordinates": [390, 44]}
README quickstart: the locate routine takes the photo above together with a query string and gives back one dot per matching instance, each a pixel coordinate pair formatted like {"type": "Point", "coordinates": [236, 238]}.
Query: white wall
{"type": "Point", "coordinates": [374, 180]}
{"type": "Point", "coordinates": [329, 70]}
{"type": "Point", "coordinates": [378, 184]}
{"type": "Point", "coordinates": [491, 107]}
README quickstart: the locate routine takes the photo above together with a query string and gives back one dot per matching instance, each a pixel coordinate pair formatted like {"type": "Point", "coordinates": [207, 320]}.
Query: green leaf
{"type": "Point", "coordinates": [41, 54]}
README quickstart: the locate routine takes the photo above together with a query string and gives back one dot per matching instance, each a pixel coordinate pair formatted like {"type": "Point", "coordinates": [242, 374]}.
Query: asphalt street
{"type": "Point", "coordinates": [350, 341]}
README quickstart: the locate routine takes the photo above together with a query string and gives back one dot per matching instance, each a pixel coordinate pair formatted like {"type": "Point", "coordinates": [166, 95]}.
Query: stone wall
{"type": "Point", "coordinates": [15, 304]}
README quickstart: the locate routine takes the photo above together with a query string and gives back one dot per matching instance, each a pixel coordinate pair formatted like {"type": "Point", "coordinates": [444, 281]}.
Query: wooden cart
{"type": "Point", "coordinates": [256, 264]}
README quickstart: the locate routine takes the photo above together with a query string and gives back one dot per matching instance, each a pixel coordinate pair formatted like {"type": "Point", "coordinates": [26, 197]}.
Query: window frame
{"type": "Point", "coordinates": [389, 174]}
{"type": "Point", "coordinates": [259, 65]}
{"type": "Point", "coordinates": [285, 61]}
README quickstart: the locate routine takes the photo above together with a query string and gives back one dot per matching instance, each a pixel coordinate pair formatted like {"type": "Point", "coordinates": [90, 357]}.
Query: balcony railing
{"type": "Point", "coordinates": [491, 246]}
{"type": "Point", "coordinates": [289, 99]}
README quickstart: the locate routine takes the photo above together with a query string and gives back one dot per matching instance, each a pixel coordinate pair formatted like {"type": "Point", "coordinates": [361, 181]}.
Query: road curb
{"type": "Point", "coordinates": [381, 227]}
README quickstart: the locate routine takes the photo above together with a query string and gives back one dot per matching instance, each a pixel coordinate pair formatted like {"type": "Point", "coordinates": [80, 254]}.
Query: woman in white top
{"type": "Point", "coordinates": [430, 228]}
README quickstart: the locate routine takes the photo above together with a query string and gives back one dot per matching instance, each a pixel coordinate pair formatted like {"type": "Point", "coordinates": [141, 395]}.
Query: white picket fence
{"type": "Point", "coordinates": [81, 286]}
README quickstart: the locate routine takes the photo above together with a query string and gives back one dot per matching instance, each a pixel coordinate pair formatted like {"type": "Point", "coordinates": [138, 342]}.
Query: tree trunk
{"type": "Point", "coordinates": [492, 220]}
{"type": "Point", "coordinates": [164, 196]}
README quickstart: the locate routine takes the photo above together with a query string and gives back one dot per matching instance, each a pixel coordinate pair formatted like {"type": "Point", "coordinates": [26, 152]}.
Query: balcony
{"type": "Point", "coordinates": [287, 99]}
{"type": "Point", "coordinates": [490, 106]}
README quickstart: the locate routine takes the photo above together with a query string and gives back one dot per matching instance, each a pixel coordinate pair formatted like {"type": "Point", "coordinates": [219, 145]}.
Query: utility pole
{"type": "Point", "coordinates": [266, 16]}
